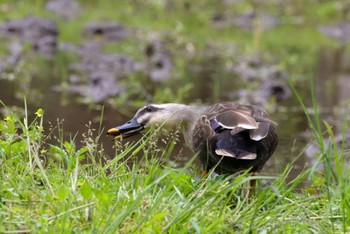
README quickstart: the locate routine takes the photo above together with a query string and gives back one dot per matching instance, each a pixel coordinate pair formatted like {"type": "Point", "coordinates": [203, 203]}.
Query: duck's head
{"type": "Point", "coordinates": [167, 115]}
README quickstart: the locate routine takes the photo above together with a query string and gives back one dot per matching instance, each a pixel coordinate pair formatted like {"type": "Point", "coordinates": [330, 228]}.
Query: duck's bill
{"type": "Point", "coordinates": [126, 130]}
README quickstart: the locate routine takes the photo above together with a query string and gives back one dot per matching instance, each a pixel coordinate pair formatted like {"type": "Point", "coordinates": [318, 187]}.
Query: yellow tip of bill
{"type": "Point", "coordinates": [113, 131]}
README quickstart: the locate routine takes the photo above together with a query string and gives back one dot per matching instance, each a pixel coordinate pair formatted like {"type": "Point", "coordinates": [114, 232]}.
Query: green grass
{"type": "Point", "coordinates": [62, 188]}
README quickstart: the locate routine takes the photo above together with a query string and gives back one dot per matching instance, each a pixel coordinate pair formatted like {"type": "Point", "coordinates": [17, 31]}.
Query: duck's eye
{"type": "Point", "coordinates": [149, 109]}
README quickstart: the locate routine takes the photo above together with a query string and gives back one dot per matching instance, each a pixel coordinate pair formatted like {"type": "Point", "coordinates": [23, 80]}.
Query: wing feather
{"type": "Point", "coordinates": [230, 153]}
{"type": "Point", "coordinates": [248, 156]}
{"type": "Point", "coordinates": [261, 132]}
{"type": "Point", "coordinates": [225, 152]}
{"type": "Point", "coordinates": [232, 119]}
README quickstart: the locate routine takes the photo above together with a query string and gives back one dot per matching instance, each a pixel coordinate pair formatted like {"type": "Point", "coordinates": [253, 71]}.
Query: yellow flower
{"type": "Point", "coordinates": [39, 113]}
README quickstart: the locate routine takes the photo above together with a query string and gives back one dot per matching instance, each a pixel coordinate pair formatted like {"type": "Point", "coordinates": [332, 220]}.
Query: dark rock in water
{"type": "Point", "coordinates": [153, 48]}
{"type": "Point", "coordinates": [160, 67]}
{"type": "Point", "coordinates": [15, 56]}
{"type": "Point", "coordinates": [267, 81]}
{"type": "Point", "coordinates": [280, 91]}
{"type": "Point", "coordinates": [30, 29]}
{"type": "Point", "coordinates": [274, 90]}
{"type": "Point", "coordinates": [219, 19]}
{"type": "Point", "coordinates": [254, 69]}
{"type": "Point", "coordinates": [9, 62]}
{"type": "Point", "coordinates": [158, 64]}
{"type": "Point", "coordinates": [247, 21]}
{"type": "Point", "coordinates": [66, 9]}
{"type": "Point", "coordinates": [93, 59]}
{"type": "Point", "coordinates": [103, 84]}
{"type": "Point", "coordinates": [115, 63]}
{"type": "Point", "coordinates": [99, 86]}
{"type": "Point", "coordinates": [340, 32]}
{"type": "Point", "coordinates": [87, 49]}
{"type": "Point", "coordinates": [109, 31]}
{"type": "Point", "coordinates": [252, 19]}
{"type": "Point", "coordinates": [38, 32]}
{"type": "Point", "coordinates": [13, 28]}
{"type": "Point", "coordinates": [100, 73]}
{"type": "Point", "coordinates": [46, 45]}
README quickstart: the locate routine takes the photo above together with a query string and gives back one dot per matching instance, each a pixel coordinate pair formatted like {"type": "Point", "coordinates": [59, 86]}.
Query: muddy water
{"type": "Point", "coordinates": [76, 118]}
{"type": "Point", "coordinates": [332, 89]}
{"type": "Point", "coordinates": [332, 86]}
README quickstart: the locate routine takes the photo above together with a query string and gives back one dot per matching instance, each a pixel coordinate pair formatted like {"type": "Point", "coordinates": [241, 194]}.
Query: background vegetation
{"type": "Point", "coordinates": [54, 183]}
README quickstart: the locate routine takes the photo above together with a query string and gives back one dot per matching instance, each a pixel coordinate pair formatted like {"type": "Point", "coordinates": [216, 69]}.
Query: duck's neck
{"type": "Point", "coordinates": [188, 117]}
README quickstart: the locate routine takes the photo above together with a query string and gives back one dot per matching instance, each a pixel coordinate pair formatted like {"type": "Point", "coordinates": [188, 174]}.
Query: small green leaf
{"type": "Point", "coordinates": [81, 151]}
{"type": "Point", "coordinates": [62, 192]}
{"type": "Point", "coordinates": [86, 191]}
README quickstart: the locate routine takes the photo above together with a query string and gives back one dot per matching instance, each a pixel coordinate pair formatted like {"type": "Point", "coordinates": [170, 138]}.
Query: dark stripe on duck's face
{"type": "Point", "coordinates": [144, 114]}
{"type": "Point", "coordinates": [148, 109]}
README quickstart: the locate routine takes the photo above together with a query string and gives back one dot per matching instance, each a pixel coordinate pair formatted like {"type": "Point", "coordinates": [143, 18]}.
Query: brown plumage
{"type": "Point", "coordinates": [232, 138]}
{"type": "Point", "coordinates": [228, 137]}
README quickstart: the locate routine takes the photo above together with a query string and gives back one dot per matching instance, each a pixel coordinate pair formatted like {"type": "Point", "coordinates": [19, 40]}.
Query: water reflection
{"type": "Point", "coordinates": [332, 85]}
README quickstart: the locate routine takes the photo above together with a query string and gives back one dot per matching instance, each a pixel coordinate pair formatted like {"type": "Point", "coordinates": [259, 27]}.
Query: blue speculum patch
{"type": "Point", "coordinates": [215, 125]}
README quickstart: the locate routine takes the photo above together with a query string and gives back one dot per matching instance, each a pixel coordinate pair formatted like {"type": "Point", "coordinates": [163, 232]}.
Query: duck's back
{"type": "Point", "coordinates": [232, 138]}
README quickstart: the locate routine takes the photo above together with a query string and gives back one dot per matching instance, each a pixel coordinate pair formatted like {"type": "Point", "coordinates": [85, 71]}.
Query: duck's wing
{"type": "Point", "coordinates": [234, 117]}
{"type": "Point", "coordinates": [241, 117]}
{"type": "Point", "coordinates": [238, 118]}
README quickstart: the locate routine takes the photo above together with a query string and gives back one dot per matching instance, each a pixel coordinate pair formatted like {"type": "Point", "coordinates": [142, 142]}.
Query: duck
{"type": "Point", "coordinates": [228, 137]}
